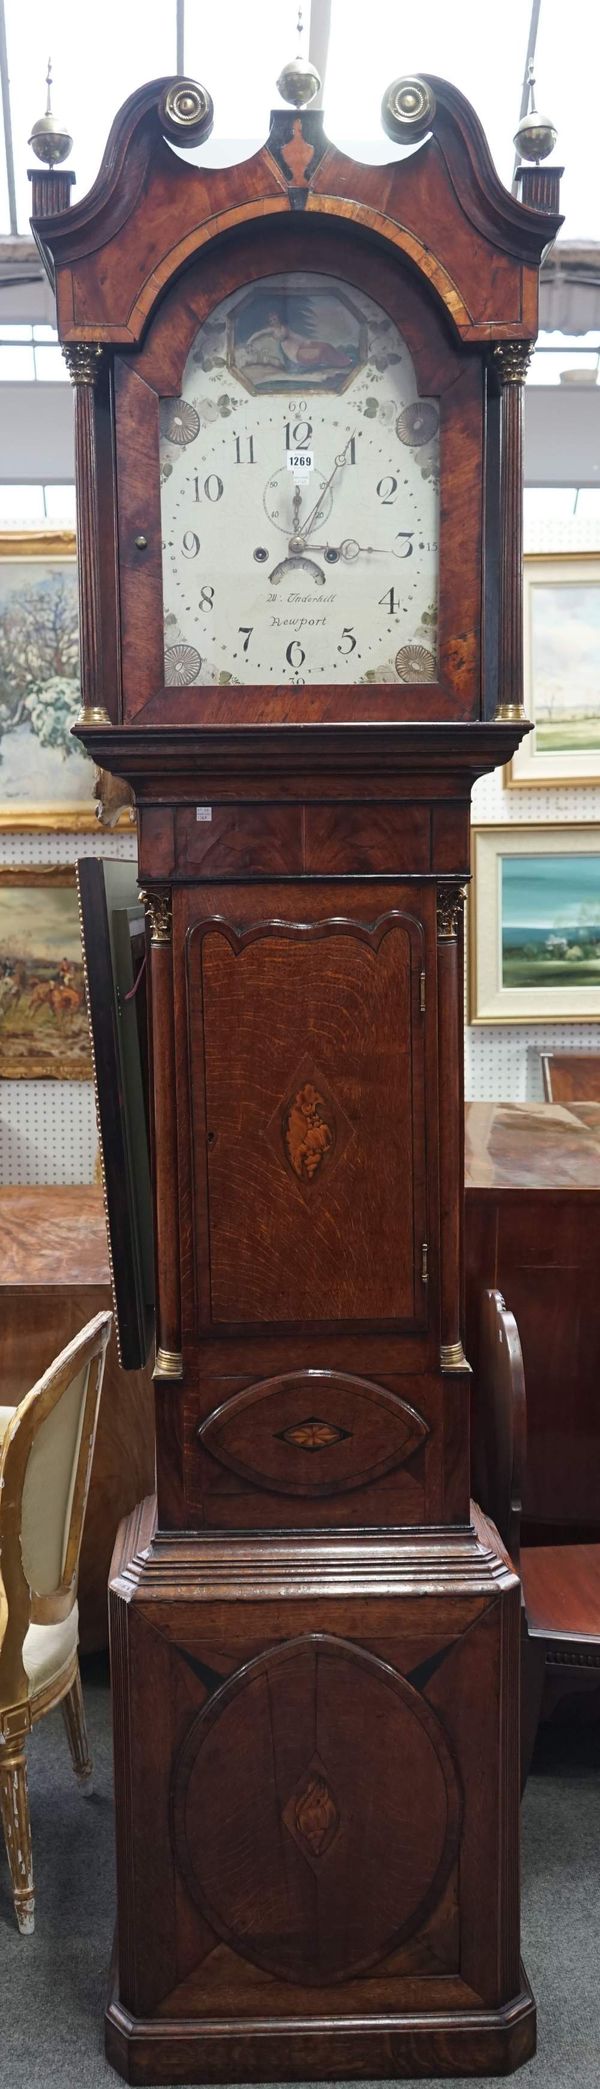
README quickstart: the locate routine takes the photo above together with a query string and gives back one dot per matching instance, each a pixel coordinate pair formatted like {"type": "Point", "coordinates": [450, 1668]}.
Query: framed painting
{"type": "Point", "coordinates": [561, 611]}
{"type": "Point", "coordinates": [535, 925]}
{"type": "Point", "coordinates": [43, 1020]}
{"type": "Point", "coordinates": [46, 780]}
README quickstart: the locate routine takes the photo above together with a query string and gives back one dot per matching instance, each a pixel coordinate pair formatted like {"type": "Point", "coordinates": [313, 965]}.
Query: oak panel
{"type": "Point", "coordinates": [317, 1126]}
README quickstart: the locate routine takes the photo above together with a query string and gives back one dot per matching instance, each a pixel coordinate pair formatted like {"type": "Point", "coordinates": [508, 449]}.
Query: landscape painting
{"type": "Point", "coordinates": [565, 665]}
{"type": "Point", "coordinates": [562, 670]}
{"type": "Point", "coordinates": [535, 924]}
{"type": "Point", "coordinates": [551, 921]}
{"type": "Point", "coordinates": [43, 1020]}
{"type": "Point", "coordinates": [45, 778]}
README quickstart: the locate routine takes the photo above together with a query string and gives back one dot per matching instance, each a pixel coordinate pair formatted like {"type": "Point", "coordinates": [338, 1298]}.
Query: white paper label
{"type": "Point", "coordinates": [301, 462]}
{"type": "Point", "coordinates": [204, 812]}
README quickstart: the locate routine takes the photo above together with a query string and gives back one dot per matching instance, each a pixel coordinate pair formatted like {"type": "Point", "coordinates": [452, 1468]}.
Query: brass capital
{"type": "Point", "coordinates": [93, 714]}
{"type": "Point", "coordinates": [169, 1363]}
{"type": "Point", "coordinates": [158, 904]}
{"type": "Point", "coordinates": [511, 359]}
{"type": "Point", "coordinates": [450, 901]}
{"type": "Point", "coordinates": [510, 714]}
{"type": "Point", "coordinates": [83, 360]}
{"type": "Point", "coordinates": [452, 1357]}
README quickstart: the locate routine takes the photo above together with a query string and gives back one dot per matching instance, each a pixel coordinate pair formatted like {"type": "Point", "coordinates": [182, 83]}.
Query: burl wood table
{"type": "Point", "coordinates": [533, 1230]}
{"type": "Point", "coordinates": [54, 1275]}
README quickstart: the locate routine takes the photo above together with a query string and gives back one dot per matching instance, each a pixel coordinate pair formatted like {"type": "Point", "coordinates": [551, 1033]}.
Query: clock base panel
{"type": "Point", "coordinates": [431, 2043]}
{"type": "Point", "coordinates": [317, 1777]}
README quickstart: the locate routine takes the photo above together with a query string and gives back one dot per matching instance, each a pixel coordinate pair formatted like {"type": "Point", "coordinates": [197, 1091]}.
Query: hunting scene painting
{"type": "Point", "coordinates": [43, 772]}
{"type": "Point", "coordinates": [43, 1020]}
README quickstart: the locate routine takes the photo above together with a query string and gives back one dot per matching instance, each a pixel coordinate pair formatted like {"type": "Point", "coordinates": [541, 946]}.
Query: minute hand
{"type": "Point", "coordinates": [312, 517]}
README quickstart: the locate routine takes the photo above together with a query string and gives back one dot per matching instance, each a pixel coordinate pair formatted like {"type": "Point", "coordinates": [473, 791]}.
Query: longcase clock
{"type": "Point", "coordinates": [298, 387]}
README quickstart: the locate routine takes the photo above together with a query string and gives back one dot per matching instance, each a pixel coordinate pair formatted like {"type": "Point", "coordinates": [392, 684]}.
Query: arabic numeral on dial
{"type": "Point", "coordinates": [213, 487]}
{"type": "Point", "coordinates": [207, 597]}
{"type": "Point", "coordinates": [387, 489]}
{"type": "Point", "coordinates": [248, 630]}
{"type": "Point", "coordinates": [295, 654]}
{"type": "Point", "coordinates": [190, 544]}
{"type": "Point", "coordinates": [298, 435]}
{"type": "Point", "coordinates": [244, 449]}
{"type": "Point", "coordinates": [388, 601]}
{"type": "Point", "coordinates": [348, 635]}
{"type": "Point", "coordinates": [403, 544]}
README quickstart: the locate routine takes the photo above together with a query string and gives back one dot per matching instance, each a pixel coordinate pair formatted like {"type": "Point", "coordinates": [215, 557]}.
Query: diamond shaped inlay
{"type": "Point", "coordinates": [313, 1434]}
{"type": "Point", "coordinates": [311, 1815]}
{"type": "Point", "coordinates": [308, 1130]}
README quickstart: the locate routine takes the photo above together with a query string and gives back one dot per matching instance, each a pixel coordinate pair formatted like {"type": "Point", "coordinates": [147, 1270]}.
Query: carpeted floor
{"type": "Point", "coordinates": [53, 1985]}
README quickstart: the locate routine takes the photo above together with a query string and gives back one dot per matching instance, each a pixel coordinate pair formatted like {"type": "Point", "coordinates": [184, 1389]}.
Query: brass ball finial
{"type": "Point", "coordinates": [186, 112]}
{"type": "Point", "coordinates": [49, 141]}
{"type": "Point", "coordinates": [535, 137]}
{"type": "Point", "coordinates": [408, 109]}
{"type": "Point", "coordinates": [299, 82]}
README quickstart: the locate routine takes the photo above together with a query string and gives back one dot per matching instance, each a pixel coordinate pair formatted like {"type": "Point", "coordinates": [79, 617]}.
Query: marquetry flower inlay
{"type": "Point", "coordinates": [309, 1131]}
{"type": "Point", "coordinates": [311, 1814]}
{"type": "Point", "coordinates": [313, 1434]}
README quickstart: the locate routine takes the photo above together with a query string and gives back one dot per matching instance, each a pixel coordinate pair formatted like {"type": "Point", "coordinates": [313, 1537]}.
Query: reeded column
{"type": "Point", "coordinates": [157, 902]}
{"type": "Point", "coordinates": [510, 360]}
{"type": "Point", "coordinates": [450, 899]}
{"type": "Point", "coordinates": [83, 360]}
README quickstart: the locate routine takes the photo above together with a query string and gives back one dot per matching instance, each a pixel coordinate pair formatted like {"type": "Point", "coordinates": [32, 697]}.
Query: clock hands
{"type": "Point", "coordinates": [349, 549]}
{"type": "Point", "coordinates": [311, 519]}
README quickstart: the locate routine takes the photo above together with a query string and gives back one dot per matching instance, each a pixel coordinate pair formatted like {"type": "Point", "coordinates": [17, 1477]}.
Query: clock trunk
{"type": "Point", "coordinates": [314, 1634]}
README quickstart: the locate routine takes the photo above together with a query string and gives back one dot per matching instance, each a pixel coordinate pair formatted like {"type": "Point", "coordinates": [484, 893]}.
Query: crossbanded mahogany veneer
{"type": "Point", "coordinates": [298, 409]}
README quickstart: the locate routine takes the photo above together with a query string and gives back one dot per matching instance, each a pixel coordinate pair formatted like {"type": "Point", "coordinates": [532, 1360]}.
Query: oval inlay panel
{"type": "Point", "coordinates": [313, 1432]}
{"type": "Point", "coordinates": [342, 1815]}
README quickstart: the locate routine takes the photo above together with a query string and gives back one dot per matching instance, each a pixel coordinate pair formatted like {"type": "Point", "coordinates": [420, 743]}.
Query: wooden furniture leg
{"type": "Point", "coordinates": [14, 1807]}
{"type": "Point", "coordinates": [73, 1711]}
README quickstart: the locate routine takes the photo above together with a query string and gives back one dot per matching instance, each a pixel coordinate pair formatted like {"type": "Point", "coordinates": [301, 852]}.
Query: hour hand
{"type": "Point", "coordinates": [348, 549]}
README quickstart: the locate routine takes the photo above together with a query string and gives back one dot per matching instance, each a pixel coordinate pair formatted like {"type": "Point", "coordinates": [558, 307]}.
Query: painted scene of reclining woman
{"type": "Point", "coordinates": [278, 337]}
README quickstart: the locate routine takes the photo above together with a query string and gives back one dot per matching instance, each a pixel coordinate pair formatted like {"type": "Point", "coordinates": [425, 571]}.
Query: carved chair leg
{"type": "Point", "coordinates": [14, 1807]}
{"type": "Point", "coordinates": [73, 1711]}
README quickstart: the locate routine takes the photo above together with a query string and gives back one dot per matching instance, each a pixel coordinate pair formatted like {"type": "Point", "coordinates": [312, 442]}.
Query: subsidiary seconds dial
{"type": "Point", "coordinates": [299, 495]}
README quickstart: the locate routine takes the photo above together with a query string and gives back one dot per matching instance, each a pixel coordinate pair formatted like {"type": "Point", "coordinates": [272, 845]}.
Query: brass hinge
{"type": "Point", "coordinates": [424, 1269]}
{"type": "Point", "coordinates": [422, 993]}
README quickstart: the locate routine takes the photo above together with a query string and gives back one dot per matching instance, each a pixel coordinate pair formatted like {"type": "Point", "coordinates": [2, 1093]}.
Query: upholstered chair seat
{"type": "Point", "coordinates": [46, 1449]}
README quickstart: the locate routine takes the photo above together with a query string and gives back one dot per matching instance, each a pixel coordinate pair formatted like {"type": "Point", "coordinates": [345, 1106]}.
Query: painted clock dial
{"type": "Point", "coordinates": [299, 495]}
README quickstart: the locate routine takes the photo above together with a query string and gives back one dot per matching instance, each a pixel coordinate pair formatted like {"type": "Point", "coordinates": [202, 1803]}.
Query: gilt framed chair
{"type": "Point", "coordinates": [46, 1450]}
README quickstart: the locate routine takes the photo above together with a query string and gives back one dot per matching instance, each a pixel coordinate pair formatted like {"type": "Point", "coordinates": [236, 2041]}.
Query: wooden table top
{"type": "Point", "coordinates": [532, 1146]}
{"type": "Point", "coordinates": [53, 1234]}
